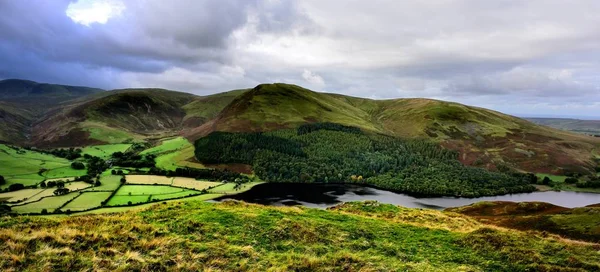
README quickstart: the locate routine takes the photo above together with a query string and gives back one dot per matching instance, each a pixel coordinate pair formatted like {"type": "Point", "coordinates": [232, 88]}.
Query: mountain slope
{"type": "Point", "coordinates": [483, 137]}
{"type": "Point", "coordinates": [22, 102]}
{"type": "Point", "coordinates": [233, 236]}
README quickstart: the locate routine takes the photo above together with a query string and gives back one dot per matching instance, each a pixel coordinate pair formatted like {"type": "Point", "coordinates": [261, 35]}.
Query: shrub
{"type": "Point", "coordinates": [546, 181]}
{"type": "Point", "coordinates": [571, 180]}
{"type": "Point", "coordinates": [77, 165]}
{"type": "Point", "coordinates": [44, 211]}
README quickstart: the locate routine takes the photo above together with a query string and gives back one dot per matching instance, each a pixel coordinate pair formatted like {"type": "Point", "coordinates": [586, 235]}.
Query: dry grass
{"type": "Point", "coordinates": [191, 183]}
{"type": "Point", "coordinates": [149, 179]}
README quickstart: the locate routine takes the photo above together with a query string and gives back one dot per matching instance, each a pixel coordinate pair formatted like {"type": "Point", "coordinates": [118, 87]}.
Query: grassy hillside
{"type": "Point", "coordinates": [233, 236]}
{"type": "Point", "coordinates": [577, 223]}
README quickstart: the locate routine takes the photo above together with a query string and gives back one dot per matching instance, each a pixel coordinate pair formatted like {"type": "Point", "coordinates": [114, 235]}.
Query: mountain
{"type": "Point", "coordinates": [484, 138]}
{"type": "Point", "coordinates": [576, 125]}
{"type": "Point", "coordinates": [29, 91]}
{"type": "Point", "coordinates": [234, 236]}
{"type": "Point", "coordinates": [22, 102]}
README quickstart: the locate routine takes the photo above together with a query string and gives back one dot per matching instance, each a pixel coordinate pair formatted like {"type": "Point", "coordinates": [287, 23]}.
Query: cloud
{"type": "Point", "coordinates": [539, 53]}
{"type": "Point", "coordinates": [312, 78]}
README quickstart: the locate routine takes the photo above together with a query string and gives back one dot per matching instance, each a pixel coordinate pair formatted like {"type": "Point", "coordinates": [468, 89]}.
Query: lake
{"type": "Point", "coordinates": [327, 195]}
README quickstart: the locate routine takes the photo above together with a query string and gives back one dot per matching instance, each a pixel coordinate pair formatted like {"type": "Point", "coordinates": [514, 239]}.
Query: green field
{"type": "Point", "coordinates": [105, 151]}
{"type": "Point", "coordinates": [104, 133]}
{"type": "Point", "coordinates": [169, 145]}
{"type": "Point", "coordinates": [23, 166]}
{"type": "Point", "coordinates": [144, 193]}
{"type": "Point", "coordinates": [87, 200]}
{"type": "Point", "coordinates": [109, 182]}
{"type": "Point", "coordinates": [48, 203]}
{"type": "Point", "coordinates": [173, 153]}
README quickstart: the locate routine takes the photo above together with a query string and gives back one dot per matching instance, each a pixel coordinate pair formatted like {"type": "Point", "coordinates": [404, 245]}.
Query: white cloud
{"type": "Point", "coordinates": [86, 12]}
{"type": "Point", "coordinates": [312, 78]}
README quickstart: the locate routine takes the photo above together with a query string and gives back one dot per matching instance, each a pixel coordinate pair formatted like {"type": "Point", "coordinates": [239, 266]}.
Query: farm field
{"type": "Point", "coordinates": [149, 179]}
{"type": "Point", "coordinates": [20, 194]}
{"type": "Point", "coordinates": [49, 203]}
{"type": "Point", "coordinates": [105, 151]}
{"type": "Point", "coordinates": [87, 200]}
{"type": "Point", "coordinates": [178, 158]}
{"type": "Point", "coordinates": [23, 166]}
{"type": "Point", "coordinates": [144, 193]}
{"type": "Point", "coordinates": [191, 183]}
{"type": "Point", "coordinates": [109, 182]}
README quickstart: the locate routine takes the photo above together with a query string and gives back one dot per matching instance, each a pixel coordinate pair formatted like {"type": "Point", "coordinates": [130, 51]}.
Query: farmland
{"type": "Point", "coordinates": [146, 193]}
{"type": "Point", "coordinates": [105, 151]}
{"type": "Point", "coordinates": [29, 167]}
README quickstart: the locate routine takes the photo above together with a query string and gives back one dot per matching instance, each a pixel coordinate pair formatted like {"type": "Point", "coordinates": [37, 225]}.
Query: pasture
{"type": "Point", "coordinates": [28, 167]}
{"type": "Point", "coordinates": [87, 201]}
{"type": "Point", "coordinates": [105, 151]}
{"type": "Point", "coordinates": [169, 145]}
{"type": "Point", "coordinates": [149, 179]}
{"type": "Point", "coordinates": [146, 193]}
{"type": "Point", "coordinates": [191, 183]}
{"type": "Point", "coordinates": [49, 203]}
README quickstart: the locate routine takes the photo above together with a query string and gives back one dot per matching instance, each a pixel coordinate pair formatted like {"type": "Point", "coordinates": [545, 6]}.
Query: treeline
{"type": "Point", "coordinates": [334, 153]}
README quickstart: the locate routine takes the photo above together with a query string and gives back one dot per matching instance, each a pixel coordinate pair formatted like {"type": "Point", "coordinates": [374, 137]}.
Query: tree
{"type": "Point", "coordinates": [16, 187]}
{"type": "Point", "coordinates": [44, 211]}
{"type": "Point", "coordinates": [2, 180]}
{"type": "Point", "coordinates": [43, 184]}
{"type": "Point", "coordinates": [61, 191]}
{"type": "Point", "coordinates": [77, 165]}
{"type": "Point", "coordinates": [546, 181]}
{"type": "Point", "coordinates": [97, 183]}
{"type": "Point", "coordinates": [114, 172]}
{"type": "Point", "coordinates": [51, 184]}
{"type": "Point", "coordinates": [129, 203]}
{"type": "Point", "coordinates": [123, 180]}
{"type": "Point", "coordinates": [60, 184]}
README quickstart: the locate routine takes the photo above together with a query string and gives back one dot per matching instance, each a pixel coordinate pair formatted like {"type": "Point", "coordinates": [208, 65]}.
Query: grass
{"type": "Point", "coordinates": [554, 178]}
{"type": "Point", "coordinates": [23, 166]}
{"type": "Point", "coordinates": [104, 133]}
{"type": "Point", "coordinates": [229, 188]}
{"type": "Point", "coordinates": [191, 183]}
{"type": "Point", "coordinates": [149, 179]}
{"type": "Point", "coordinates": [87, 200]}
{"type": "Point", "coordinates": [179, 158]}
{"type": "Point", "coordinates": [105, 151]}
{"type": "Point", "coordinates": [169, 145]}
{"type": "Point", "coordinates": [233, 236]}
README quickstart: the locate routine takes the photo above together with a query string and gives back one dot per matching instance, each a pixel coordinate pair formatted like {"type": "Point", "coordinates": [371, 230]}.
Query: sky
{"type": "Point", "coordinates": [526, 58]}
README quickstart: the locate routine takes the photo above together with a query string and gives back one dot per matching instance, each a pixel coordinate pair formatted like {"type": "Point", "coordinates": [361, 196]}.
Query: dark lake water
{"type": "Point", "coordinates": [327, 195]}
